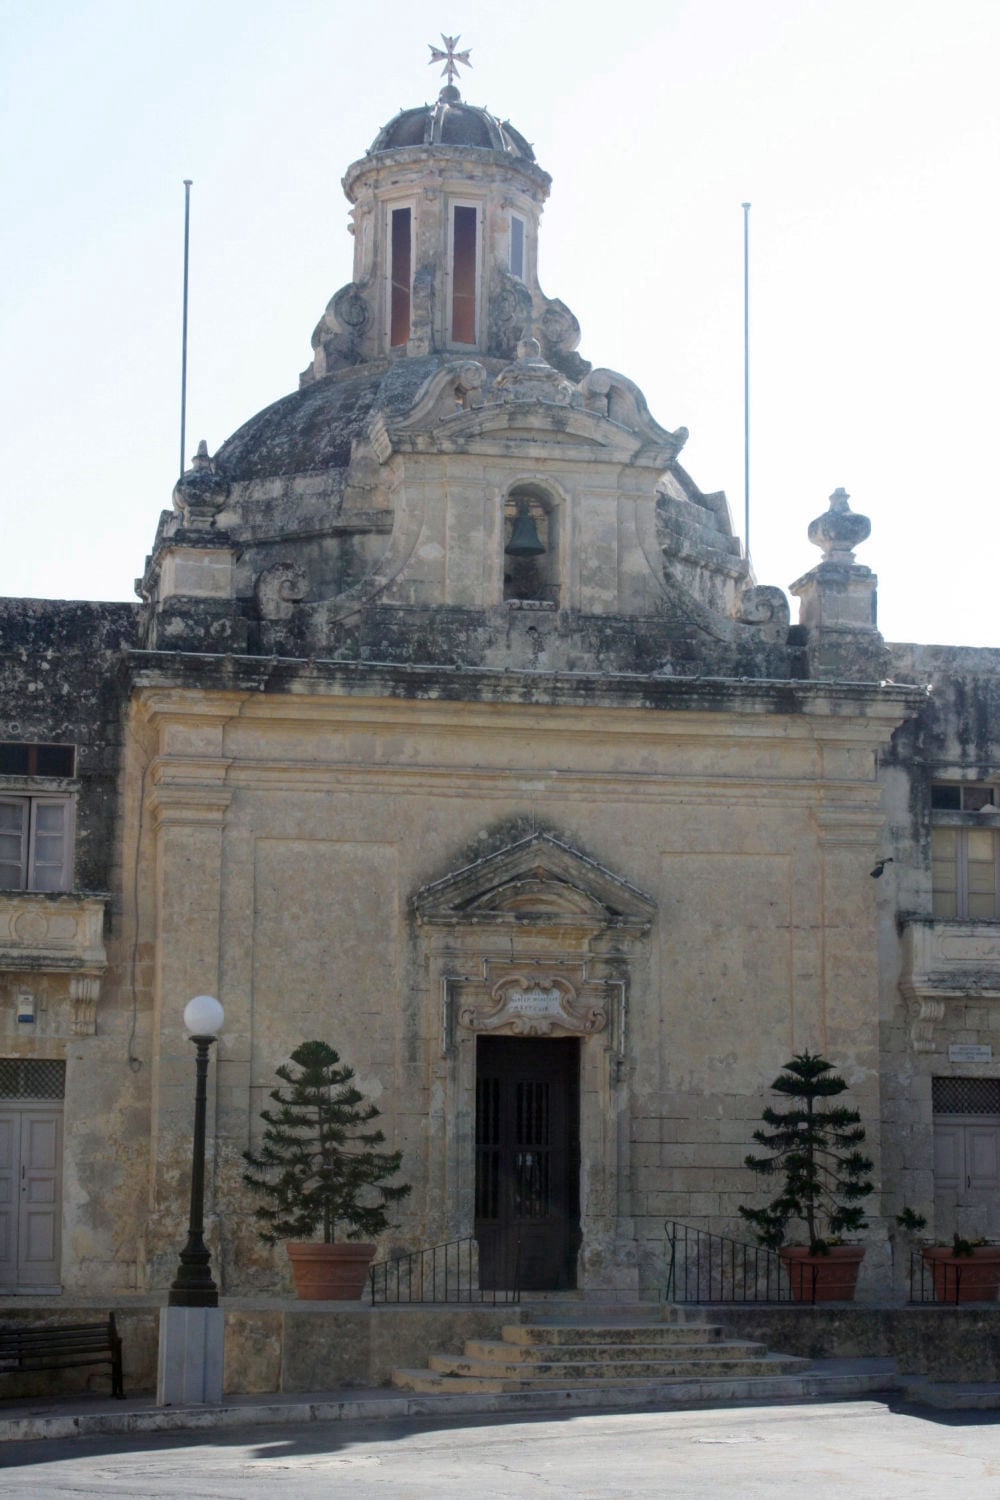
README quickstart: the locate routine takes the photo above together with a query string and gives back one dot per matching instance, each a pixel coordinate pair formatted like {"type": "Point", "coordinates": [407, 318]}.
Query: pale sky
{"type": "Point", "coordinates": [864, 132]}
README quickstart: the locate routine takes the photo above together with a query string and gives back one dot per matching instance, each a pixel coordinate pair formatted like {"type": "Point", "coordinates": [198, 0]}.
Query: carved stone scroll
{"type": "Point", "coordinates": [84, 993]}
{"type": "Point", "coordinates": [536, 1005]}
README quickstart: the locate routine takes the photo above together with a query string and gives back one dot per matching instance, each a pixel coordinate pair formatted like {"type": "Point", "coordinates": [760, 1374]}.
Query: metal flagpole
{"type": "Point", "coordinates": [184, 320]}
{"type": "Point", "coordinates": [746, 380]}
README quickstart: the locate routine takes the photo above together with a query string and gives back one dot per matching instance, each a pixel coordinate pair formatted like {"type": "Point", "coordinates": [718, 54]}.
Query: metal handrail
{"type": "Point", "coordinates": [448, 1272]}
{"type": "Point", "coordinates": [942, 1280]}
{"type": "Point", "coordinates": [705, 1267]}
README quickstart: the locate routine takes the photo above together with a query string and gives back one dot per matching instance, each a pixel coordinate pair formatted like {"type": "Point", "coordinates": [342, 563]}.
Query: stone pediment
{"type": "Point", "coordinates": [531, 402]}
{"type": "Point", "coordinates": [536, 881]}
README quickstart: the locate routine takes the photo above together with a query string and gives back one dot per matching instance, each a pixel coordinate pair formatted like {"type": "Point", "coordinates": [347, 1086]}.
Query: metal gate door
{"type": "Point", "coordinates": [527, 1162]}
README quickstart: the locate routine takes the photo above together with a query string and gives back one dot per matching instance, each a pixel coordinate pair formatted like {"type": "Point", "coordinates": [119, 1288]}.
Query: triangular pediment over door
{"type": "Point", "coordinates": [537, 880]}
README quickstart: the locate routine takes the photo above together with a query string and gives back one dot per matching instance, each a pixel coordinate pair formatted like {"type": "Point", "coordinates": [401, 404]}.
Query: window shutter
{"type": "Point", "coordinates": [48, 870]}
{"type": "Point", "coordinates": [13, 843]}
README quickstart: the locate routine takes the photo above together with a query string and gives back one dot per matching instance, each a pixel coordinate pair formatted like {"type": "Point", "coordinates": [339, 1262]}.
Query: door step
{"type": "Point", "coordinates": [577, 1356]}
{"type": "Point", "coordinates": [453, 1373]}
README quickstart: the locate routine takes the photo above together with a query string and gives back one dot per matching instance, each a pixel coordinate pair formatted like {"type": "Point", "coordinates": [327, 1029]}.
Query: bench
{"type": "Point", "coordinates": [24, 1349]}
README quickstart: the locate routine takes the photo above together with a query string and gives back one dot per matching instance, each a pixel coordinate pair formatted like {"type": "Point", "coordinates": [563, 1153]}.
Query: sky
{"type": "Point", "coordinates": [865, 134]}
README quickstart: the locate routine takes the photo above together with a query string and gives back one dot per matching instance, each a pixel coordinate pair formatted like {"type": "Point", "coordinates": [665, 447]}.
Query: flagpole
{"type": "Point", "coordinates": [746, 381]}
{"type": "Point", "coordinates": [184, 320]}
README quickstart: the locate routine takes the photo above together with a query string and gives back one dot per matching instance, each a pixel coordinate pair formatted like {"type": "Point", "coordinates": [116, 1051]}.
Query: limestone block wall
{"type": "Point", "coordinates": [61, 682]}
{"type": "Point", "coordinates": [940, 979]}
{"type": "Point", "coordinates": [289, 833]}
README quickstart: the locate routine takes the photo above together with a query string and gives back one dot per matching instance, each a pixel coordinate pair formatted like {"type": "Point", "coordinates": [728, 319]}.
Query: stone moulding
{"type": "Point", "coordinates": [204, 685]}
{"type": "Point", "coordinates": [52, 933]}
{"type": "Point", "coordinates": [539, 911]}
{"type": "Point", "coordinates": [59, 933]}
{"type": "Point", "coordinates": [536, 1005]}
{"type": "Point", "coordinates": [536, 879]}
{"type": "Point", "coordinates": [946, 961]}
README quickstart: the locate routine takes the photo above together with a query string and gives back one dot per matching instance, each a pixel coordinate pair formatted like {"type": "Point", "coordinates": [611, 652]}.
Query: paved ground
{"type": "Point", "coordinates": [864, 1450]}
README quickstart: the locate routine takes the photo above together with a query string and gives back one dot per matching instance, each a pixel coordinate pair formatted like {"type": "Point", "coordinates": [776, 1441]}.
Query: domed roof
{"type": "Point", "coordinates": [451, 122]}
{"type": "Point", "coordinates": [312, 429]}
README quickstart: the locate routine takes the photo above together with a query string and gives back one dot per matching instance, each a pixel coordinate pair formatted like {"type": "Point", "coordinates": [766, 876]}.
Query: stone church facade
{"type": "Point", "coordinates": [452, 728]}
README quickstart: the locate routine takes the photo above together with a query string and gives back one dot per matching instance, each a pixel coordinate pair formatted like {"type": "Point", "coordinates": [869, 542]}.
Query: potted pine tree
{"type": "Point", "coordinates": [964, 1271]}
{"type": "Point", "coordinates": [320, 1172]}
{"type": "Point", "coordinates": [815, 1150]}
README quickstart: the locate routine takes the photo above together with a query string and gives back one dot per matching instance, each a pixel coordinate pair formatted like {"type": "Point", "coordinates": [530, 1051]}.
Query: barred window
{"type": "Point", "coordinates": [32, 1078]}
{"type": "Point", "coordinates": [965, 1096]}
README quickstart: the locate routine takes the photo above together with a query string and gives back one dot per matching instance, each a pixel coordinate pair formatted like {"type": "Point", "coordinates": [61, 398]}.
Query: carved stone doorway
{"type": "Point", "coordinates": [527, 1162]}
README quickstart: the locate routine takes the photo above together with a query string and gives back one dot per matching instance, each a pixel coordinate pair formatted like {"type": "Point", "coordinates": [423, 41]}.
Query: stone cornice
{"type": "Point", "coordinates": [189, 804]}
{"type": "Point", "coordinates": [448, 163]}
{"type": "Point", "coordinates": [167, 678]}
{"type": "Point", "coordinates": [850, 825]}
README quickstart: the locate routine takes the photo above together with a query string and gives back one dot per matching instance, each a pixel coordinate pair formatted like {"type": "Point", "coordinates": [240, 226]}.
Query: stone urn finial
{"type": "Point", "coordinates": [839, 530]}
{"type": "Point", "coordinates": [201, 491]}
{"type": "Point", "coordinates": [532, 378]}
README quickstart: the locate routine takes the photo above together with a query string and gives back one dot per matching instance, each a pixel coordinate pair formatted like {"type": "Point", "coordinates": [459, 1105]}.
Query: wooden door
{"type": "Point", "coordinates": [30, 1206]}
{"type": "Point", "coordinates": [967, 1175]}
{"type": "Point", "coordinates": [527, 1162]}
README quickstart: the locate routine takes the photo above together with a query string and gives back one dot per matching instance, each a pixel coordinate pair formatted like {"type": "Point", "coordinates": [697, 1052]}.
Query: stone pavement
{"type": "Point", "coordinates": [826, 1380]}
{"type": "Point", "coordinates": [839, 1450]}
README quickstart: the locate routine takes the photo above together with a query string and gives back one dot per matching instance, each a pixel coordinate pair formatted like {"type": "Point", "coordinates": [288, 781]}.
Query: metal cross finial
{"type": "Point", "coordinates": [449, 57]}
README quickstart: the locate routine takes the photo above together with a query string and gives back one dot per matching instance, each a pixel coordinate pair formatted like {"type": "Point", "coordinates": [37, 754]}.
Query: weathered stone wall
{"type": "Point", "coordinates": [60, 681]}
{"type": "Point", "coordinates": [940, 981]}
{"type": "Point", "coordinates": [311, 1349]}
{"type": "Point", "coordinates": [944, 1343]}
{"type": "Point", "coordinates": [313, 815]}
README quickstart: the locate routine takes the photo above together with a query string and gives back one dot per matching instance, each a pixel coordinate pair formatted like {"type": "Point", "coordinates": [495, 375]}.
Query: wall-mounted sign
{"type": "Point", "coordinates": [969, 1052]}
{"type": "Point", "coordinates": [535, 1002]}
{"type": "Point", "coordinates": [538, 1005]}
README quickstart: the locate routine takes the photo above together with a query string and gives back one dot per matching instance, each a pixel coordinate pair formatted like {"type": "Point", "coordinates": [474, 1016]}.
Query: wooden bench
{"type": "Point", "coordinates": [62, 1346]}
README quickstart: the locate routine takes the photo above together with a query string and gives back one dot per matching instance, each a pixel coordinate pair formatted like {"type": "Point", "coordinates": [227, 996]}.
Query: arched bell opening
{"type": "Point", "coordinates": [531, 545]}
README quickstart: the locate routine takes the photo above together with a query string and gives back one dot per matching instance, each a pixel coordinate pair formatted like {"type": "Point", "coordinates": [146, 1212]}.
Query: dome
{"type": "Point", "coordinates": [312, 430]}
{"type": "Point", "coordinates": [451, 122]}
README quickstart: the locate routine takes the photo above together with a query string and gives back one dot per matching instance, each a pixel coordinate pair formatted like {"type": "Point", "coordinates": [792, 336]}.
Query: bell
{"type": "Point", "coordinates": [524, 538]}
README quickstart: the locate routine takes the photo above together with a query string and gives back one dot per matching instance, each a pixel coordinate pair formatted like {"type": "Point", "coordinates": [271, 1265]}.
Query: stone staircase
{"type": "Point", "coordinates": [602, 1354]}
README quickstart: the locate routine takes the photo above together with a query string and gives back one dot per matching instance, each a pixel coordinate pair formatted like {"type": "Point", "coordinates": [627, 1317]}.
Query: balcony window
{"type": "Point", "coordinates": [35, 843]}
{"type": "Point", "coordinates": [36, 821]}
{"type": "Point", "coordinates": [965, 851]}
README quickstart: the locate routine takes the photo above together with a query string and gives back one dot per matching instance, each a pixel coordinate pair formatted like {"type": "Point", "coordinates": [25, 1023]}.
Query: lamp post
{"type": "Point", "coordinates": [193, 1285]}
{"type": "Point", "coordinates": [189, 1366]}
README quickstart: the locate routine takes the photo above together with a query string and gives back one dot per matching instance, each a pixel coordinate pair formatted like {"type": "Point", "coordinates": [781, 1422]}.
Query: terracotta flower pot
{"type": "Point", "coordinates": [822, 1278]}
{"type": "Point", "coordinates": [330, 1272]}
{"type": "Point", "coordinates": [964, 1278]}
